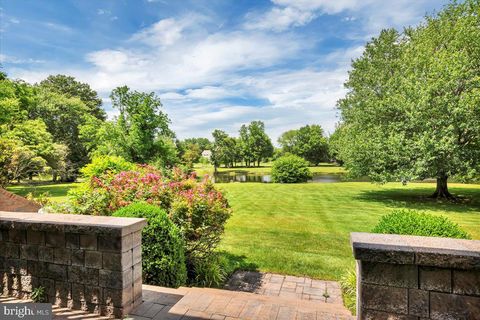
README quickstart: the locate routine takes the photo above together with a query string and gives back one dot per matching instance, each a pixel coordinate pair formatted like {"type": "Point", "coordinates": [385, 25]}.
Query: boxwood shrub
{"type": "Point", "coordinates": [163, 247]}
{"type": "Point", "coordinates": [411, 222]}
{"type": "Point", "coordinates": [290, 169]}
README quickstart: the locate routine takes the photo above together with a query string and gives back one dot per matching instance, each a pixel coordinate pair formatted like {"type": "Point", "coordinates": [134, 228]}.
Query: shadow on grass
{"type": "Point", "coordinates": [419, 198]}
{"type": "Point", "coordinates": [232, 262]}
{"type": "Point", "coordinates": [240, 274]}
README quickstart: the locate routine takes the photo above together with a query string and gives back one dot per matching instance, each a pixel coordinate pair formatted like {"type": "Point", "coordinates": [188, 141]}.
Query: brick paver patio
{"type": "Point", "coordinates": [272, 297]}
{"type": "Point", "coordinates": [258, 296]}
{"type": "Point", "coordinates": [286, 286]}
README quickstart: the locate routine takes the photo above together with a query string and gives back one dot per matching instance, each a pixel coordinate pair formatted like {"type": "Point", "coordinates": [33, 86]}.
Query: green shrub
{"type": "Point", "coordinates": [163, 253]}
{"type": "Point", "coordinates": [209, 272]}
{"type": "Point", "coordinates": [290, 169]}
{"type": "Point", "coordinates": [411, 222]}
{"type": "Point", "coordinates": [348, 283]}
{"type": "Point", "coordinates": [195, 207]}
{"type": "Point", "coordinates": [106, 164]}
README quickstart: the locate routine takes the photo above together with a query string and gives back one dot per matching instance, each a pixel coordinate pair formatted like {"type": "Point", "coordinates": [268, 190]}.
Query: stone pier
{"type": "Point", "coordinates": [410, 277]}
{"type": "Point", "coordinates": [88, 263]}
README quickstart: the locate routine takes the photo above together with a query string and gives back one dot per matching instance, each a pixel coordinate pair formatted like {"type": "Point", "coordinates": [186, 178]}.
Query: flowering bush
{"type": "Point", "coordinates": [195, 206]}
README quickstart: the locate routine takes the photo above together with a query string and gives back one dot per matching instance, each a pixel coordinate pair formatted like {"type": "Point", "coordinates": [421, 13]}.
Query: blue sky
{"type": "Point", "coordinates": [215, 64]}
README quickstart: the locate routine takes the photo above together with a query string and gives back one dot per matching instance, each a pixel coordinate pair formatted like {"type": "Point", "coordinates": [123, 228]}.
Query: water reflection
{"type": "Point", "coordinates": [236, 176]}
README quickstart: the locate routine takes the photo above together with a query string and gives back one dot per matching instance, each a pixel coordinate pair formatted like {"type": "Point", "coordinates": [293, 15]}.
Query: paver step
{"type": "Point", "coordinates": [207, 303]}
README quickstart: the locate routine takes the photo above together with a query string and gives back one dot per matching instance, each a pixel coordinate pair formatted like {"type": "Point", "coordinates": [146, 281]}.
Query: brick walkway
{"type": "Point", "coordinates": [286, 286]}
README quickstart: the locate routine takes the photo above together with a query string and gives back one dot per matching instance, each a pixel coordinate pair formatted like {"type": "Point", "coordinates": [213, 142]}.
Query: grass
{"type": "Point", "coordinates": [303, 229]}
{"type": "Point", "coordinates": [57, 191]}
{"type": "Point", "coordinates": [265, 168]}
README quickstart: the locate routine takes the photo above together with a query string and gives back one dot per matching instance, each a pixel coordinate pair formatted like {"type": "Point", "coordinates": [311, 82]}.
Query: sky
{"type": "Point", "coordinates": [215, 64]}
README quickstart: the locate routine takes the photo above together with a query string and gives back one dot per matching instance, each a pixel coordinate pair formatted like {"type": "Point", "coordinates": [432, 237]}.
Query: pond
{"type": "Point", "coordinates": [241, 176]}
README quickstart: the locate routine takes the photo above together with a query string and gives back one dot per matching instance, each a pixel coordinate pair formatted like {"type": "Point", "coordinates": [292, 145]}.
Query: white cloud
{"type": "Point", "coordinates": [14, 60]}
{"type": "Point", "coordinates": [292, 99]}
{"type": "Point", "coordinates": [326, 6]}
{"type": "Point", "coordinates": [279, 19]}
{"type": "Point", "coordinates": [374, 14]}
{"type": "Point", "coordinates": [165, 32]}
{"type": "Point", "coordinates": [14, 20]}
{"type": "Point", "coordinates": [193, 61]}
{"type": "Point", "coordinates": [57, 27]}
{"type": "Point", "coordinates": [210, 92]}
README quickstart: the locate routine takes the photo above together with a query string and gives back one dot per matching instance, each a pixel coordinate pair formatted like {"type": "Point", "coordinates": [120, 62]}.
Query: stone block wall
{"type": "Point", "coordinates": [84, 262]}
{"type": "Point", "coordinates": [409, 277]}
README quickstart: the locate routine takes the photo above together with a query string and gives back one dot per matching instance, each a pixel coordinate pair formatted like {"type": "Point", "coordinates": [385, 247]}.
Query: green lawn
{"type": "Point", "coordinates": [57, 191]}
{"type": "Point", "coordinates": [303, 229]}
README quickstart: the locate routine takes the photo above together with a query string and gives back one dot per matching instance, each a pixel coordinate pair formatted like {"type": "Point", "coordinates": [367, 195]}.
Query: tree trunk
{"type": "Point", "coordinates": [442, 189]}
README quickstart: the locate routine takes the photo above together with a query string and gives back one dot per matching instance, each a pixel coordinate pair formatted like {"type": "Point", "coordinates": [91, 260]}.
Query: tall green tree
{"type": "Point", "coordinates": [412, 110]}
{"type": "Point", "coordinates": [254, 143]}
{"type": "Point", "coordinates": [64, 116]}
{"type": "Point", "coordinates": [260, 144]}
{"type": "Point", "coordinates": [202, 143]}
{"type": "Point", "coordinates": [139, 134]}
{"type": "Point", "coordinates": [70, 87]}
{"type": "Point", "coordinates": [307, 142]}
{"type": "Point", "coordinates": [244, 142]}
{"type": "Point", "coordinates": [219, 148]}
{"type": "Point", "coordinates": [27, 145]}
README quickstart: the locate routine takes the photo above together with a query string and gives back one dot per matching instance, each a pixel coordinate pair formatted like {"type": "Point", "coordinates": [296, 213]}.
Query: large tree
{"type": "Point", "coordinates": [412, 110]}
{"type": "Point", "coordinates": [202, 143]}
{"type": "Point", "coordinates": [254, 143]}
{"type": "Point", "coordinates": [219, 148]}
{"type": "Point", "coordinates": [139, 134]}
{"type": "Point", "coordinates": [64, 116]}
{"type": "Point", "coordinates": [17, 161]}
{"type": "Point", "coordinates": [70, 87]}
{"type": "Point", "coordinates": [307, 142]}
{"type": "Point", "coordinates": [27, 145]}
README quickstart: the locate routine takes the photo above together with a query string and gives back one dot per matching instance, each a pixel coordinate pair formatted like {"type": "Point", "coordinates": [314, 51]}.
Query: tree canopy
{"type": "Point", "coordinates": [139, 134]}
{"type": "Point", "coordinates": [252, 146]}
{"type": "Point", "coordinates": [412, 110]}
{"type": "Point", "coordinates": [307, 142]}
{"type": "Point", "coordinates": [70, 87]}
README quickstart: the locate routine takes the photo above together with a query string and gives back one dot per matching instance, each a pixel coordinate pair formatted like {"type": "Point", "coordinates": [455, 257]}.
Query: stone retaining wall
{"type": "Point", "coordinates": [83, 262]}
{"type": "Point", "coordinates": [409, 277]}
